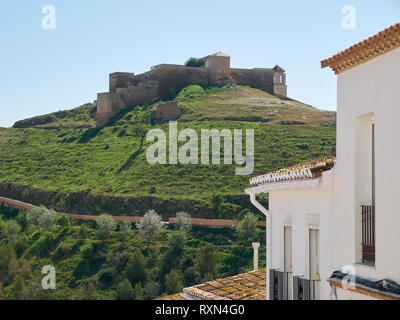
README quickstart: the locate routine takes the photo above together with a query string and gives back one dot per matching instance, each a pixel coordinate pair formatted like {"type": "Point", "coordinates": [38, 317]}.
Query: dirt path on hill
{"type": "Point", "coordinates": [217, 223]}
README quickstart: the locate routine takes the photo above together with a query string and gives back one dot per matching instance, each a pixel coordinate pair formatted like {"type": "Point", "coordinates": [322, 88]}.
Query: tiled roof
{"type": "Point", "coordinates": [245, 286]}
{"type": "Point", "coordinates": [363, 51]}
{"type": "Point", "coordinates": [174, 297]}
{"type": "Point", "coordinates": [304, 171]}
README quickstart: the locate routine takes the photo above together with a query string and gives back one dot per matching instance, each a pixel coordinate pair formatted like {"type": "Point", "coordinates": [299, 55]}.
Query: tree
{"type": "Point", "coordinates": [105, 224]}
{"type": "Point", "coordinates": [177, 241]}
{"type": "Point", "coordinates": [195, 62]}
{"type": "Point", "coordinates": [150, 225]}
{"type": "Point", "coordinates": [124, 290]}
{"type": "Point", "coordinates": [126, 228]}
{"type": "Point", "coordinates": [13, 267]}
{"type": "Point", "coordinates": [136, 268]}
{"type": "Point", "coordinates": [138, 292]}
{"type": "Point", "coordinates": [7, 253]}
{"type": "Point", "coordinates": [19, 287]}
{"type": "Point", "coordinates": [216, 202]}
{"type": "Point", "coordinates": [11, 231]}
{"type": "Point", "coordinates": [247, 230]}
{"type": "Point", "coordinates": [140, 131]}
{"type": "Point", "coordinates": [183, 221]}
{"type": "Point", "coordinates": [42, 217]}
{"type": "Point", "coordinates": [173, 282]}
{"type": "Point", "coordinates": [2, 295]}
{"type": "Point", "coordinates": [207, 260]}
{"type": "Point", "coordinates": [152, 290]}
{"type": "Point", "coordinates": [189, 276]}
{"type": "Point", "coordinates": [64, 221]}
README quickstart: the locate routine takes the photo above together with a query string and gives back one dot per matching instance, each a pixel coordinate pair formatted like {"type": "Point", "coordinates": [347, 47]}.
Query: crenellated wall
{"type": "Point", "coordinates": [166, 80]}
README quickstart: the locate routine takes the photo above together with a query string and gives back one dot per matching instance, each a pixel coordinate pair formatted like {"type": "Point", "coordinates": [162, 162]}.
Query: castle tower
{"type": "Point", "coordinates": [280, 88]}
{"type": "Point", "coordinates": [219, 65]}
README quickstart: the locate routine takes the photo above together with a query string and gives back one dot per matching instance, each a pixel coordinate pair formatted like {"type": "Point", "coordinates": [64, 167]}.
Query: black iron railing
{"type": "Point", "coordinates": [368, 234]}
{"type": "Point", "coordinates": [280, 285]}
{"type": "Point", "coordinates": [304, 289]}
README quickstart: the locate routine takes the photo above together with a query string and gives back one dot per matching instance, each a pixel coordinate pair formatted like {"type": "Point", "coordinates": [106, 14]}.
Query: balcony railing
{"type": "Point", "coordinates": [304, 289]}
{"type": "Point", "coordinates": [368, 234]}
{"type": "Point", "coordinates": [280, 285]}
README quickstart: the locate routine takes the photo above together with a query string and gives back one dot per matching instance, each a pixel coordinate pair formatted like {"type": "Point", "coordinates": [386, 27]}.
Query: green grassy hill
{"type": "Point", "coordinates": [69, 167]}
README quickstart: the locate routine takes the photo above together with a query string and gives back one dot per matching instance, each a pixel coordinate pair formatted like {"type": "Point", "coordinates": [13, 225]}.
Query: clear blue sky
{"type": "Point", "coordinates": [44, 71]}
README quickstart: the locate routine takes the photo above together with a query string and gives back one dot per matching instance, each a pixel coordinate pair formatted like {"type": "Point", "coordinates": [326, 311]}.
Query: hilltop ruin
{"type": "Point", "coordinates": [128, 90]}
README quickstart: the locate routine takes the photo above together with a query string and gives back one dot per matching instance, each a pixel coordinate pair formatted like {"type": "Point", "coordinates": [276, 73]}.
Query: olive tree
{"type": "Point", "coordinates": [183, 221]}
{"type": "Point", "coordinates": [105, 224]}
{"type": "Point", "coordinates": [150, 225]}
{"type": "Point", "coordinates": [42, 217]}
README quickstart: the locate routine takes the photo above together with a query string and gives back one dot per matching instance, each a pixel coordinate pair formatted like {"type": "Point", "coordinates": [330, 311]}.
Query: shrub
{"type": "Point", "coordinates": [138, 291]}
{"type": "Point", "coordinates": [42, 217]}
{"type": "Point", "coordinates": [124, 290]}
{"type": "Point", "coordinates": [105, 224]}
{"type": "Point", "coordinates": [11, 231]}
{"type": "Point", "coordinates": [62, 252]}
{"type": "Point", "coordinates": [44, 244]}
{"type": "Point", "coordinates": [126, 228]}
{"type": "Point", "coordinates": [64, 221]}
{"type": "Point", "coordinates": [173, 282]}
{"type": "Point", "coordinates": [189, 276]}
{"type": "Point", "coordinates": [136, 268]}
{"type": "Point", "coordinates": [195, 62]}
{"type": "Point", "coordinates": [152, 289]}
{"type": "Point", "coordinates": [190, 92]}
{"type": "Point", "coordinates": [107, 278]}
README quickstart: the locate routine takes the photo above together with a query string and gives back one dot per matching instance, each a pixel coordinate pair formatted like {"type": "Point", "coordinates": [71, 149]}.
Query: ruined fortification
{"type": "Point", "coordinates": [129, 90]}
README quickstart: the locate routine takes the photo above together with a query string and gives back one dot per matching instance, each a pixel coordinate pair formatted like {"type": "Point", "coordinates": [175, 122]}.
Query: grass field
{"type": "Point", "coordinates": [108, 162]}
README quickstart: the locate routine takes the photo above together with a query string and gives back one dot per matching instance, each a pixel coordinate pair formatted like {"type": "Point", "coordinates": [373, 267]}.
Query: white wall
{"type": "Point", "coordinates": [303, 209]}
{"type": "Point", "coordinates": [371, 88]}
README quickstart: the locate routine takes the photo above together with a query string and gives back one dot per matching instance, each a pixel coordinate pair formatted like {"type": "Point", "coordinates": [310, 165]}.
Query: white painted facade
{"type": "Point", "coordinates": [367, 94]}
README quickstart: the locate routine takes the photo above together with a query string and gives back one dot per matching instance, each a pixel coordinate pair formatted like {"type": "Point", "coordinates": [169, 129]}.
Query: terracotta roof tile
{"type": "Point", "coordinates": [379, 44]}
{"type": "Point", "coordinates": [246, 286]}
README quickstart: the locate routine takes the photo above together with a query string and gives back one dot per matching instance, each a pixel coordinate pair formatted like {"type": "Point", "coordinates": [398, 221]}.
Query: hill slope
{"type": "Point", "coordinates": [91, 170]}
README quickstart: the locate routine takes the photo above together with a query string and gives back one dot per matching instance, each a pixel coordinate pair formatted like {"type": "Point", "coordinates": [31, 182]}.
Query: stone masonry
{"type": "Point", "coordinates": [165, 80]}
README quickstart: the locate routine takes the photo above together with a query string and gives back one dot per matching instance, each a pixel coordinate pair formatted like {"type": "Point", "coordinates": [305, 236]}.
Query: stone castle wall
{"type": "Point", "coordinates": [166, 80]}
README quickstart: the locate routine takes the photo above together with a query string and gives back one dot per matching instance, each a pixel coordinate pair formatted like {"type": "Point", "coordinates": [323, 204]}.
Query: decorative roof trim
{"type": "Point", "coordinates": [377, 45]}
{"type": "Point", "coordinates": [305, 171]}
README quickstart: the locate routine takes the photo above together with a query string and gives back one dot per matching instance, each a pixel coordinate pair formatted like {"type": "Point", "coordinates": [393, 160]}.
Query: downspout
{"type": "Point", "coordinates": [268, 216]}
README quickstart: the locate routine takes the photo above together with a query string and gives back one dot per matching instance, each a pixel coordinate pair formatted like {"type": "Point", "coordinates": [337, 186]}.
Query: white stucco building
{"type": "Point", "coordinates": [333, 225]}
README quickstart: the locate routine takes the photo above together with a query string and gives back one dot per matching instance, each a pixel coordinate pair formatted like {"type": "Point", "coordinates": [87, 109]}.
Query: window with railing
{"type": "Point", "coordinates": [368, 234]}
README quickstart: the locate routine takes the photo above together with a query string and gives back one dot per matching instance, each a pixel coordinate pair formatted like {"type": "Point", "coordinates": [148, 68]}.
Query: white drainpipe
{"type": "Point", "coordinates": [268, 215]}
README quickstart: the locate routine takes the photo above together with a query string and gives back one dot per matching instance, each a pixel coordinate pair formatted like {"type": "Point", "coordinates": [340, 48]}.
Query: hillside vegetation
{"type": "Point", "coordinates": [118, 263]}
{"type": "Point", "coordinates": [105, 170]}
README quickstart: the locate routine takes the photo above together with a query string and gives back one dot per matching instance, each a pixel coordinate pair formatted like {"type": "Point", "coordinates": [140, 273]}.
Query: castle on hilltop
{"type": "Point", "coordinates": [128, 89]}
